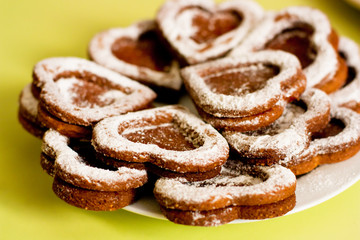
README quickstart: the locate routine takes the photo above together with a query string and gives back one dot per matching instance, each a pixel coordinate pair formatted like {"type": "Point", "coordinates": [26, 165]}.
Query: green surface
{"type": "Point", "coordinates": [33, 30]}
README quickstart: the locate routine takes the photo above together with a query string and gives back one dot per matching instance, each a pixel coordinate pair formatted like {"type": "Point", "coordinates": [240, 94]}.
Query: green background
{"type": "Point", "coordinates": [37, 29]}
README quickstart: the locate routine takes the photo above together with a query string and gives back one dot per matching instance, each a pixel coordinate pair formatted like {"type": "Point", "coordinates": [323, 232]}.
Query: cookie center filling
{"type": "Point", "coordinates": [209, 26]}
{"type": "Point", "coordinates": [146, 51]}
{"type": "Point", "coordinates": [334, 127]}
{"type": "Point", "coordinates": [296, 40]}
{"type": "Point", "coordinates": [242, 80]}
{"type": "Point", "coordinates": [87, 90]}
{"type": "Point", "coordinates": [168, 136]}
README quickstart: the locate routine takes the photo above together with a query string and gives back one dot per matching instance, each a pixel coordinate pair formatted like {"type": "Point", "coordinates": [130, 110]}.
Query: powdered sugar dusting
{"type": "Point", "coordinates": [106, 136]}
{"type": "Point", "coordinates": [174, 15]}
{"type": "Point", "coordinates": [349, 135]}
{"type": "Point", "coordinates": [29, 103]}
{"type": "Point", "coordinates": [325, 64]}
{"type": "Point", "coordinates": [350, 92]}
{"type": "Point", "coordinates": [100, 51]}
{"type": "Point", "coordinates": [215, 104]}
{"type": "Point", "coordinates": [131, 95]}
{"type": "Point", "coordinates": [233, 184]}
{"type": "Point", "coordinates": [288, 135]}
{"type": "Point", "coordinates": [69, 162]}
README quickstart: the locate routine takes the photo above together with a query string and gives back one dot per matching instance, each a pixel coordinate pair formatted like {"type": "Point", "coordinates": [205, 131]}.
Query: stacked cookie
{"type": "Point", "coordinates": [270, 88]}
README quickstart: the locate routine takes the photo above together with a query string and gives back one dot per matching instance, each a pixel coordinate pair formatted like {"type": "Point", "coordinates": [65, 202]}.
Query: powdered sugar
{"type": "Point", "coordinates": [233, 186]}
{"type": "Point", "coordinates": [69, 163]}
{"type": "Point", "coordinates": [100, 51]}
{"type": "Point", "coordinates": [132, 95]}
{"type": "Point", "coordinates": [288, 135]}
{"type": "Point", "coordinates": [176, 16]}
{"type": "Point", "coordinates": [348, 136]}
{"type": "Point", "coordinates": [350, 92]}
{"type": "Point", "coordinates": [106, 136]}
{"type": "Point", "coordinates": [238, 106]}
{"type": "Point", "coordinates": [29, 103]}
{"type": "Point", "coordinates": [325, 64]}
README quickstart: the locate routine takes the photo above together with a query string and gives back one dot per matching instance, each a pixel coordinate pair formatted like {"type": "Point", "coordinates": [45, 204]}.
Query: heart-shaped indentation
{"type": "Point", "coordinates": [296, 40]}
{"type": "Point", "coordinates": [146, 51]}
{"type": "Point", "coordinates": [241, 80]}
{"type": "Point", "coordinates": [168, 136]}
{"type": "Point", "coordinates": [209, 26]}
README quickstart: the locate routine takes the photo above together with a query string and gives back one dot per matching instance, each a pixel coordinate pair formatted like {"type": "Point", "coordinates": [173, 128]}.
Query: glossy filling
{"type": "Point", "coordinates": [166, 136]}
{"type": "Point", "coordinates": [146, 51]}
{"type": "Point", "coordinates": [212, 25]}
{"type": "Point", "coordinates": [296, 40]}
{"type": "Point", "coordinates": [244, 79]}
{"type": "Point", "coordinates": [334, 127]}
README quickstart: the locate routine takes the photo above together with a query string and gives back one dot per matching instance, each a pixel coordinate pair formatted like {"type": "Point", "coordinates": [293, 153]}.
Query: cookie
{"type": "Point", "coordinates": [338, 141]}
{"type": "Point", "coordinates": [348, 95]}
{"type": "Point", "coordinates": [240, 191]}
{"type": "Point", "coordinates": [200, 30]}
{"type": "Point", "coordinates": [28, 113]}
{"type": "Point", "coordinates": [137, 52]}
{"type": "Point", "coordinates": [307, 33]}
{"type": "Point", "coordinates": [288, 135]}
{"type": "Point", "coordinates": [80, 93]}
{"type": "Point", "coordinates": [86, 179]}
{"type": "Point", "coordinates": [169, 137]}
{"type": "Point", "coordinates": [244, 124]}
{"type": "Point", "coordinates": [226, 88]}
{"type": "Point", "coordinates": [158, 171]}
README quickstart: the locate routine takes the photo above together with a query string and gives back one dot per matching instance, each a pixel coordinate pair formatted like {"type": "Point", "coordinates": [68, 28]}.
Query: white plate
{"type": "Point", "coordinates": [313, 188]}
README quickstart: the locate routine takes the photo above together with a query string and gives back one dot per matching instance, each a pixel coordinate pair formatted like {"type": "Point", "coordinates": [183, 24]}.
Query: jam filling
{"type": "Point", "coordinates": [212, 25]}
{"type": "Point", "coordinates": [146, 51]}
{"type": "Point", "coordinates": [296, 40]}
{"type": "Point", "coordinates": [242, 80]}
{"type": "Point", "coordinates": [166, 136]}
{"type": "Point", "coordinates": [334, 127]}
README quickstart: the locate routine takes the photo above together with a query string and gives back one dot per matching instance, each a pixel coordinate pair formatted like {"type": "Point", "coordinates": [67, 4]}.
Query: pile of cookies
{"type": "Point", "coordinates": [277, 94]}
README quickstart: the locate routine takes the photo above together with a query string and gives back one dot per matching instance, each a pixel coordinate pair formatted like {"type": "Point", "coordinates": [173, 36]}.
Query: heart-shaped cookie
{"type": "Point", "coordinates": [306, 33]}
{"type": "Point", "coordinates": [337, 141]}
{"type": "Point", "coordinates": [199, 30]}
{"type": "Point", "coordinates": [83, 181]}
{"type": "Point", "coordinates": [240, 191]}
{"type": "Point", "coordinates": [168, 137]}
{"type": "Point", "coordinates": [81, 92]}
{"type": "Point", "coordinates": [136, 51]}
{"type": "Point", "coordinates": [245, 85]}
